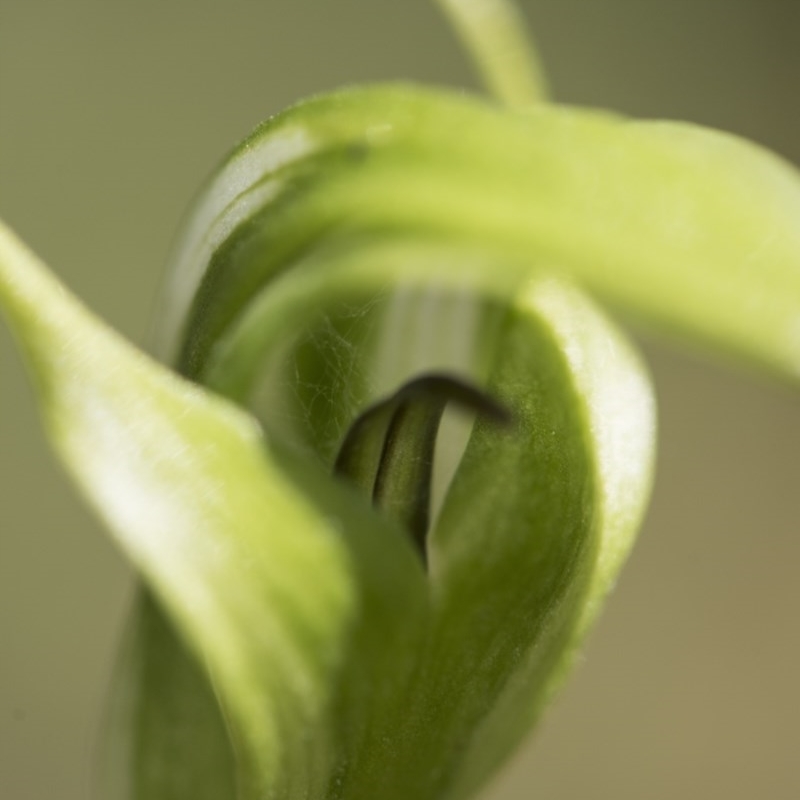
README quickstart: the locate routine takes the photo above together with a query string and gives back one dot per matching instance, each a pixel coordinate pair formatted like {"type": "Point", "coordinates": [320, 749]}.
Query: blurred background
{"type": "Point", "coordinates": [112, 113]}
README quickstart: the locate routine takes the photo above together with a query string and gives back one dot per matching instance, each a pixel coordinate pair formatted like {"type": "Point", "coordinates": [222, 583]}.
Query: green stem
{"type": "Point", "coordinates": [502, 51]}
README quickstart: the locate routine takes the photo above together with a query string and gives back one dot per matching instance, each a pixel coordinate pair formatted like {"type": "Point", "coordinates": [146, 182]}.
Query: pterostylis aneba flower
{"type": "Point", "coordinates": [396, 455]}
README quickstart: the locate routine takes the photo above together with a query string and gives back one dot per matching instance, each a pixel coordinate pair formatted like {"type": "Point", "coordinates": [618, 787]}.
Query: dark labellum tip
{"type": "Point", "coordinates": [388, 450]}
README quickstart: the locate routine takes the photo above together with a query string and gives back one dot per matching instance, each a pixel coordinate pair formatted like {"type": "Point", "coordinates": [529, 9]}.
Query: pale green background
{"type": "Point", "coordinates": [112, 112]}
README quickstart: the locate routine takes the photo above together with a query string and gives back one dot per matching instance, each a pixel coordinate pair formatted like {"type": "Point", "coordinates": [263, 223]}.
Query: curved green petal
{"type": "Point", "coordinates": [277, 577]}
{"type": "Point", "coordinates": [689, 230]}
{"type": "Point", "coordinates": [541, 551]}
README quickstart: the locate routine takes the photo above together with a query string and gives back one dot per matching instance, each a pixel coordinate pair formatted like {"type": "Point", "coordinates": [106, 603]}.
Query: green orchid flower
{"type": "Point", "coordinates": [339, 599]}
